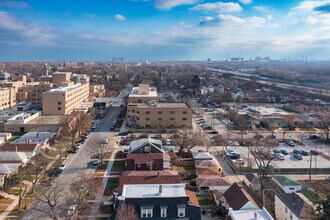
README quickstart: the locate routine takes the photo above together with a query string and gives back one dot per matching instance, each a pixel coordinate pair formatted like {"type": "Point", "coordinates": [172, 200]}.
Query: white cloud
{"type": "Point", "coordinates": [218, 7]}
{"type": "Point", "coordinates": [168, 4]}
{"type": "Point", "coordinates": [119, 17]}
{"type": "Point", "coordinates": [246, 2]}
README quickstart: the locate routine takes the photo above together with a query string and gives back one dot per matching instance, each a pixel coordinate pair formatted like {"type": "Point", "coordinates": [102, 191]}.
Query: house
{"type": "Point", "coordinates": [28, 148]}
{"type": "Point", "coordinates": [251, 181]}
{"type": "Point", "coordinates": [41, 138]}
{"type": "Point", "coordinates": [13, 157]}
{"type": "Point", "coordinates": [304, 121]}
{"type": "Point", "coordinates": [212, 182]}
{"type": "Point", "coordinates": [205, 163]}
{"type": "Point", "coordinates": [310, 194]}
{"type": "Point", "coordinates": [201, 155]}
{"type": "Point", "coordinates": [148, 177]}
{"type": "Point", "coordinates": [287, 184]}
{"type": "Point", "coordinates": [238, 199]}
{"type": "Point", "coordinates": [274, 121]}
{"type": "Point", "coordinates": [291, 206]}
{"type": "Point", "coordinates": [259, 214]}
{"type": "Point", "coordinates": [155, 161]}
{"type": "Point", "coordinates": [7, 136]}
{"type": "Point", "coordinates": [146, 146]}
{"type": "Point", "coordinates": [251, 119]}
{"type": "Point", "coordinates": [200, 171]}
{"type": "Point", "coordinates": [156, 201]}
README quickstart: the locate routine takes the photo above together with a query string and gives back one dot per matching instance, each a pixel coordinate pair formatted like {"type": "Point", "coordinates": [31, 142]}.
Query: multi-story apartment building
{"type": "Point", "coordinates": [96, 91]}
{"type": "Point", "coordinates": [5, 98]}
{"type": "Point", "coordinates": [143, 93]}
{"type": "Point", "coordinates": [33, 92]}
{"type": "Point", "coordinates": [63, 100]}
{"type": "Point", "coordinates": [59, 78]}
{"type": "Point", "coordinates": [159, 115]}
{"type": "Point", "coordinates": [12, 88]}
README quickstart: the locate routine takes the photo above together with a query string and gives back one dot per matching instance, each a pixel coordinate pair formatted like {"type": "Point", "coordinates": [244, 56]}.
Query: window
{"type": "Point", "coordinates": [59, 108]}
{"type": "Point", "coordinates": [160, 112]}
{"type": "Point", "coordinates": [172, 119]}
{"type": "Point", "coordinates": [184, 119]}
{"type": "Point", "coordinates": [181, 212]}
{"type": "Point", "coordinates": [172, 112]}
{"type": "Point", "coordinates": [146, 149]}
{"type": "Point", "coordinates": [291, 188]}
{"type": "Point", "coordinates": [146, 212]}
{"type": "Point", "coordinates": [160, 119]}
{"type": "Point", "coordinates": [184, 112]}
{"type": "Point", "coordinates": [147, 113]}
{"type": "Point", "coordinates": [163, 212]}
{"type": "Point", "coordinates": [147, 119]}
{"type": "Point", "coordinates": [59, 103]}
{"type": "Point", "coordinates": [138, 165]}
{"type": "Point", "coordinates": [286, 209]}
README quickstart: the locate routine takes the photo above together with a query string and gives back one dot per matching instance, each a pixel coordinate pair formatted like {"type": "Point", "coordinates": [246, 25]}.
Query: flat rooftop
{"type": "Point", "coordinates": [64, 89]}
{"type": "Point", "coordinates": [260, 214]}
{"type": "Point", "coordinates": [152, 190]}
{"type": "Point", "coordinates": [51, 119]}
{"type": "Point", "coordinates": [160, 105]}
{"type": "Point", "coordinates": [34, 137]}
{"type": "Point", "coordinates": [152, 92]}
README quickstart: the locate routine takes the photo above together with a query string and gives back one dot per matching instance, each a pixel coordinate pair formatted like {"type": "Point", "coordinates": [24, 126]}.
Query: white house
{"type": "Point", "coordinates": [287, 184]}
{"type": "Point", "coordinates": [290, 206]}
{"type": "Point", "coordinates": [260, 214]}
{"type": "Point", "coordinates": [212, 182]}
{"type": "Point", "coordinates": [7, 136]}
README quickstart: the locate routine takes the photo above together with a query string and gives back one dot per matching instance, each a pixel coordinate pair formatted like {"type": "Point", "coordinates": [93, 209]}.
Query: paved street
{"type": "Point", "coordinates": [80, 163]}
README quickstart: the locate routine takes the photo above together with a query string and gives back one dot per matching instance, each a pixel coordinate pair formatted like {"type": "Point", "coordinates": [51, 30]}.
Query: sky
{"type": "Point", "coordinates": [156, 30]}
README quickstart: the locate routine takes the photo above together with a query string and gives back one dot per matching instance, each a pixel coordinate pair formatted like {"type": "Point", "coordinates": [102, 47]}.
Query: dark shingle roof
{"type": "Point", "coordinates": [293, 202]}
{"type": "Point", "coordinates": [237, 197]}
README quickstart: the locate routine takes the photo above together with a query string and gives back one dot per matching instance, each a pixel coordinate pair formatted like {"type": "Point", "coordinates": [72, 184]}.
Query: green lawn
{"type": "Point", "coordinates": [118, 166]}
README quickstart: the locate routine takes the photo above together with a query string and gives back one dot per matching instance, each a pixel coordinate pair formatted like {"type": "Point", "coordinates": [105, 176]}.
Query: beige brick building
{"type": "Point", "coordinates": [33, 92]}
{"type": "Point", "coordinates": [97, 91]}
{"type": "Point", "coordinates": [5, 98]}
{"type": "Point", "coordinates": [159, 115]}
{"type": "Point", "coordinates": [59, 78]}
{"type": "Point", "coordinates": [10, 90]}
{"type": "Point", "coordinates": [143, 94]}
{"type": "Point", "coordinates": [63, 100]}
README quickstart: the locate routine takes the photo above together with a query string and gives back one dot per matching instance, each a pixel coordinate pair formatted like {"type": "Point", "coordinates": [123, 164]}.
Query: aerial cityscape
{"type": "Point", "coordinates": [165, 109]}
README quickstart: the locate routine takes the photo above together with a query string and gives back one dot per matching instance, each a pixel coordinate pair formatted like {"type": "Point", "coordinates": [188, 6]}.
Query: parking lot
{"type": "Point", "coordinates": [289, 161]}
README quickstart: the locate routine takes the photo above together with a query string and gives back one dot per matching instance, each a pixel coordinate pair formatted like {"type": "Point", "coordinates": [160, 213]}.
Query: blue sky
{"type": "Point", "coordinates": [163, 29]}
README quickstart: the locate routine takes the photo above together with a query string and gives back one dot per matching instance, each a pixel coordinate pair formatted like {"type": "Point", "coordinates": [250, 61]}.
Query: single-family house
{"type": "Point", "coordinates": [148, 177]}
{"type": "Point", "coordinates": [287, 184]}
{"type": "Point", "coordinates": [290, 206]}
{"type": "Point", "coordinates": [154, 161]}
{"type": "Point", "coordinates": [201, 155]}
{"type": "Point", "coordinates": [251, 180]}
{"type": "Point", "coordinates": [160, 201]}
{"type": "Point", "coordinates": [7, 136]}
{"type": "Point", "coordinates": [13, 157]}
{"type": "Point", "coordinates": [259, 214]}
{"type": "Point", "coordinates": [212, 182]}
{"type": "Point", "coordinates": [146, 146]}
{"type": "Point", "coordinates": [237, 198]}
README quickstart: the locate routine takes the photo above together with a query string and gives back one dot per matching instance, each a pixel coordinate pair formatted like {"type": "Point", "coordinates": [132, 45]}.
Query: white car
{"type": "Point", "coordinates": [78, 145]}
{"type": "Point", "coordinates": [62, 167]}
{"type": "Point", "coordinates": [96, 162]}
{"type": "Point", "coordinates": [71, 210]}
{"type": "Point", "coordinates": [229, 152]}
{"type": "Point", "coordinates": [236, 143]}
{"type": "Point", "coordinates": [280, 156]}
{"type": "Point", "coordinates": [238, 161]}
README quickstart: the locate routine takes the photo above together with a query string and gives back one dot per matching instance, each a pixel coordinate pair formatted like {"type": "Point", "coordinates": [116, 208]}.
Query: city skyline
{"type": "Point", "coordinates": [163, 29]}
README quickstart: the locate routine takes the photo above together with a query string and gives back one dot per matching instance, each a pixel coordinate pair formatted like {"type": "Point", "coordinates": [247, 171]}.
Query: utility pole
{"type": "Point", "coordinates": [310, 167]}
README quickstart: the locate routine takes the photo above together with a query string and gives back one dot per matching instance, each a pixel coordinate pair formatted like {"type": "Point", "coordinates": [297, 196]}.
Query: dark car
{"type": "Point", "coordinates": [284, 152]}
{"type": "Point", "coordinates": [276, 151]}
{"type": "Point", "coordinates": [74, 150]}
{"type": "Point", "coordinates": [259, 136]}
{"type": "Point", "coordinates": [314, 152]}
{"type": "Point", "coordinates": [234, 156]}
{"type": "Point", "coordinates": [143, 136]}
{"type": "Point", "coordinates": [213, 132]}
{"type": "Point", "coordinates": [297, 156]}
{"type": "Point", "coordinates": [123, 133]}
{"type": "Point", "coordinates": [314, 136]}
{"type": "Point", "coordinates": [304, 153]}
{"type": "Point", "coordinates": [297, 152]}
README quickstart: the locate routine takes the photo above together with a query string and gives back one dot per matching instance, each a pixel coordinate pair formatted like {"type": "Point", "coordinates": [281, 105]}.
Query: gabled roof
{"type": "Point", "coordinates": [20, 157]}
{"type": "Point", "coordinates": [145, 158]}
{"type": "Point", "coordinates": [208, 171]}
{"type": "Point", "coordinates": [213, 180]}
{"type": "Point", "coordinates": [192, 198]}
{"type": "Point", "coordinates": [296, 204]}
{"type": "Point", "coordinates": [205, 163]}
{"type": "Point", "coordinates": [19, 147]}
{"type": "Point", "coordinates": [145, 141]}
{"type": "Point", "coordinates": [286, 181]}
{"type": "Point", "coordinates": [236, 197]}
{"type": "Point", "coordinates": [313, 196]}
{"type": "Point", "coordinates": [6, 168]}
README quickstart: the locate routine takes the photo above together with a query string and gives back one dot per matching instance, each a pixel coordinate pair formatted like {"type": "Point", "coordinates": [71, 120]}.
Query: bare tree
{"type": "Point", "coordinates": [288, 127]}
{"type": "Point", "coordinates": [100, 149]}
{"type": "Point", "coordinates": [83, 123]}
{"type": "Point", "coordinates": [50, 198]}
{"type": "Point", "coordinates": [325, 125]}
{"type": "Point", "coordinates": [36, 168]}
{"type": "Point", "coordinates": [187, 142]}
{"type": "Point", "coordinates": [126, 211]}
{"type": "Point", "coordinates": [19, 179]}
{"type": "Point", "coordinates": [262, 152]}
{"type": "Point", "coordinates": [70, 128]}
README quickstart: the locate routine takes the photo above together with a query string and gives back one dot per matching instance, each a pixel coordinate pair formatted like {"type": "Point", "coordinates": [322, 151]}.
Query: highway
{"type": "Point", "coordinates": [78, 165]}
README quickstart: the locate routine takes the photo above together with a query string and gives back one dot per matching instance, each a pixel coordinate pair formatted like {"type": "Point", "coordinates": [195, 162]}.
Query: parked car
{"type": "Point", "coordinates": [259, 136]}
{"type": "Point", "coordinates": [78, 145]}
{"type": "Point", "coordinates": [327, 178]}
{"type": "Point", "coordinates": [280, 156]}
{"type": "Point", "coordinates": [297, 156]}
{"type": "Point", "coordinates": [71, 210]}
{"type": "Point", "coordinates": [244, 132]}
{"type": "Point", "coordinates": [62, 167]}
{"type": "Point", "coordinates": [143, 136]}
{"type": "Point", "coordinates": [271, 136]}
{"type": "Point", "coordinates": [228, 152]}
{"type": "Point", "coordinates": [74, 150]}
{"type": "Point", "coordinates": [284, 152]}
{"type": "Point", "coordinates": [314, 152]}
{"type": "Point", "coordinates": [238, 161]}
{"type": "Point", "coordinates": [304, 153]}
{"type": "Point", "coordinates": [236, 143]}
{"type": "Point", "coordinates": [291, 143]}
{"type": "Point", "coordinates": [96, 162]}
{"type": "Point", "coordinates": [276, 151]}
{"type": "Point", "coordinates": [213, 132]}
{"type": "Point", "coordinates": [296, 152]}
{"type": "Point", "coordinates": [105, 141]}
{"type": "Point", "coordinates": [123, 133]}
{"type": "Point", "coordinates": [314, 136]}
{"type": "Point", "coordinates": [234, 156]}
